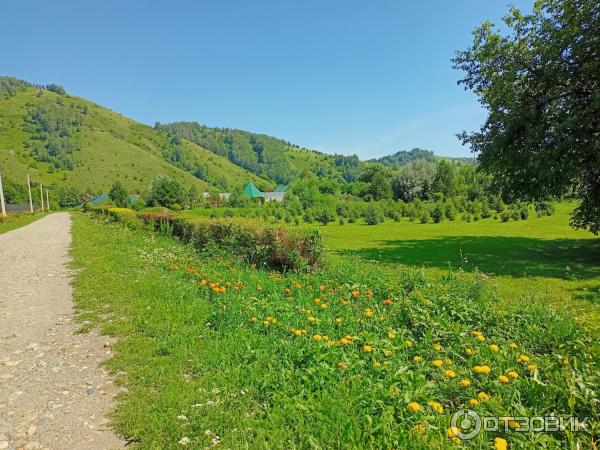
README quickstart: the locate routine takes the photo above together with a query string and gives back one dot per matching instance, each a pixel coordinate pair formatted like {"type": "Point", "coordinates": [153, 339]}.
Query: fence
{"type": "Point", "coordinates": [12, 209]}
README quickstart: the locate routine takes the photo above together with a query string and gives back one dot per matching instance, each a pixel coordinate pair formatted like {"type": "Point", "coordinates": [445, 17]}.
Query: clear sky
{"type": "Point", "coordinates": [364, 77]}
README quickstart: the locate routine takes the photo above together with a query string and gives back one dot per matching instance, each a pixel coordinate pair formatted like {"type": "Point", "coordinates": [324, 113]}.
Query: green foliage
{"type": "Point", "coordinates": [53, 130]}
{"type": "Point", "coordinates": [119, 195]}
{"type": "Point", "coordinates": [10, 86]}
{"type": "Point", "coordinates": [166, 192]}
{"type": "Point", "coordinates": [69, 197]}
{"type": "Point", "coordinates": [538, 81]}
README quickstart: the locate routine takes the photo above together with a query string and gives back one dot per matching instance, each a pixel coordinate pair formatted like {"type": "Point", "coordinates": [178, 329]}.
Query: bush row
{"type": "Point", "coordinates": [258, 243]}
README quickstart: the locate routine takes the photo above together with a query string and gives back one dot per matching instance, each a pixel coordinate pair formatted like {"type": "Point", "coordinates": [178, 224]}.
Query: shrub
{"type": "Point", "coordinates": [371, 215]}
{"type": "Point", "coordinates": [425, 217]}
{"type": "Point", "coordinates": [505, 216]}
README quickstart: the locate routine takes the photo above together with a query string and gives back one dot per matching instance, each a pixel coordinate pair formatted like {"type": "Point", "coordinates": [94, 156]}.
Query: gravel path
{"type": "Point", "coordinates": [53, 394]}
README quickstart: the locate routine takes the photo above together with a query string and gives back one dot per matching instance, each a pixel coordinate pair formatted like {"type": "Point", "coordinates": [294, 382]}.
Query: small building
{"type": "Point", "coordinates": [205, 195]}
{"type": "Point", "coordinates": [224, 195]}
{"type": "Point", "coordinates": [251, 191]}
{"type": "Point", "coordinates": [281, 188]}
{"type": "Point", "coordinates": [274, 196]}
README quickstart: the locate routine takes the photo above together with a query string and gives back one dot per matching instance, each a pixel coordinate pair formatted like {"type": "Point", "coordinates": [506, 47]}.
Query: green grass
{"type": "Point", "coordinates": [542, 258]}
{"type": "Point", "coordinates": [14, 221]}
{"type": "Point", "coordinates": [211, 347]}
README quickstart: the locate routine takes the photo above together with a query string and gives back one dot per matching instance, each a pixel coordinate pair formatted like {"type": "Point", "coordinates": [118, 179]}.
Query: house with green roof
{"type": "Point", "coordinates": [251, 191]}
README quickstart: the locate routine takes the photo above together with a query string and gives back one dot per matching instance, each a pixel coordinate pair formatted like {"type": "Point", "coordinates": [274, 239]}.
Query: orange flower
{"type": "Point", "coordinates": [388, 301]}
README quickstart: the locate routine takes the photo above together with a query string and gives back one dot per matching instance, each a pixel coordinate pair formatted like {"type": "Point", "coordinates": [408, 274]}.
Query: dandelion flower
{"type": "Point", "coordinates": [493, 347]}
{"type": "Point", "coordinates": [408, 343]}
{"type": "Point", "coordinates": [338, 320]}
{"type": "Point", "coordinates": [448, 361]}
{"type": "Point", "coordinates": [470, 351]}
{"type": "Point", "coordinates": [367, 348]}
{"type": "Point", "coordinates": [500, 444]}
{"type": "Point", "coordinates": [452, 432]}
{"type": "Point", "coordinates": [513, 345]}
{"type": "Point", "coordinates": [531, 367]}
{"type": "Point", "coordinates": [298, 332]}
{"type": "Point", "coordinates": [513, 374]}
{"type": "Point", "coordinates": [317, 337]}
{"type": "Point", "coordinates": [414, 407]}
{"type": "Point", "coordinates": [437, 347]}
{"type": "Point", "coordinates": [419, 428]}
{"type": "Point", "coordinates": [523, 358]}
{"type": "Point", "coordinates": [483, 397]}
{"type": "Point", "coordinates": [368, 312]}
{"type": "Point", "coordinates": [388, 302]}
{"type": "Point", "coordinates": [450, 373]}
{"type": "Point", "coordinates": [342, 365]}
{"type": "Point", "coordinates": [417, 359]}
{"type": "Point", "coordinates": [437, 407]}
{"type": "Point", "coordinates": [473, 402]}
{"type": "Point", "coordinates": [465, 383]}
{"type": "Point", "coordinates": [503, 379]}
{"type": "Point", "coordinates": [482, 369]}
{"type": "Point", "coordinates": [377, 364]}
{"type": "Point", "coordinates": [437, 363]}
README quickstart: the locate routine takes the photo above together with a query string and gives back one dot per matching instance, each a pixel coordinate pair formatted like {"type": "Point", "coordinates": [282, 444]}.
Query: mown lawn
{"type": "Point", "coordinates": [542, 258]}
{"type": "Point", "coordinates": [355, 355]}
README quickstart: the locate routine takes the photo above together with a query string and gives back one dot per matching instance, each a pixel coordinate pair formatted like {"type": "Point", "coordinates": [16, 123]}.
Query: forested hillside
{"type": "Point", "coordinates": [268, 157]}
{"type": "Point", "coordinates": [66, 141]}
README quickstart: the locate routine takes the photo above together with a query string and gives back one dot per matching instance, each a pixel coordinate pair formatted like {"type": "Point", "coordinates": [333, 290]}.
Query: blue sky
{"type": "Point", "coordinates": [341, 76]}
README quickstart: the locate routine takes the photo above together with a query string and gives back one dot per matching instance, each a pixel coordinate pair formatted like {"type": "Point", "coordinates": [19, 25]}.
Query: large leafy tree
{"type": "Point", "coordinates": [540, 83]}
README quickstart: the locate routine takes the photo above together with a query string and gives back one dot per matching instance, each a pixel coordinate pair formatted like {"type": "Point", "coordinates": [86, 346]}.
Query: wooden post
{"type": "Point", "coordinates": [42, 196]}
{"type": "Point", "coordinates": [30, 200]}
{"type": "Point", "coordinates": [47, 201]}
{"type": "Point", "coordinates": [2, 206]}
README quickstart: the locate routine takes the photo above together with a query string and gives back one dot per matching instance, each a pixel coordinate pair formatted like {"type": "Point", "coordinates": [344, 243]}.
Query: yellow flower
{"type": "Point", "coordinates": [368, 312]}
{"type": "Point", "coordinates": [317, 300]}
{"type": "Point", "coordinates": [377, 364]}
{"type": "Point", "coordinates": [513, 374]}
{"type": "Point", "coordinates": [338, 320]}
{"type": "Point", "coordinates": [493, 347]}
{"type": "Point", "coordinates": [523, 358]}
{"type": "Point", "coordinates": [317, 337]}
{"type": "Point", "coordinates": [437, 347]}
{"type": "Point", "coordinates": [325, 337]}
{"type": "Point", "coordinates": [448, 361]}
{"type": "Point", "coordinates": [417, 359]}
{"type": "Point", "coordinates": [312, 319]}
{"type": "Point", "coordinates": [408, 343]}
{"type": "Point", "coordinates": [253, 319]}
{"type": "Point", "coordinates": [482, 369]}
{"type": "Point", "coordinates": [513, 345]}
{"type": "Point", "coordinates": [483, 397]}
{"type": "Point", "coordinates": [465, 383]}
{"type": "Point", "coordinates": [324, 306]}
{"type": "Point", "coordinates": [345, 341]}
{"type": "Point", "coordinates": [437, 407]}
{"type": "Point", "coordinates": [367, 348]}
{"type": "Point", "coordinates": [419, 428]}
{"type": "Point", "coordinates": [342, 365]}
{"type": "Point", "coordinates": [386, 363]}
{"type": "Point", "coordinates": [452, 432]}
{"type": "Point", "coordinates": [297, 332]}
{"type": "Point", "coordinates": [450, 373]}
{"type": "Point", "coordinates": [437, 363]}
{"type": "Point", "coordinates": [531, 367]}
{"type": "Point", "coordinates": [266, 322]}
{"type": "Point", "coordinates": [480, 338]}
{"type": "Point", "coordinates": [473, 402]}
{"type": "Point", "coordinates": [470, 351]}
{"type": "Point", "coordinates": [503, 379]}
{"type": "Point", "coordinates": [388, 353]}
{"type": "Point", "coordinates": [391, 335]}
{"type": "Point", "coordinates": [500, 444]}
{"type": "Point", "coordinates": [414, 407]}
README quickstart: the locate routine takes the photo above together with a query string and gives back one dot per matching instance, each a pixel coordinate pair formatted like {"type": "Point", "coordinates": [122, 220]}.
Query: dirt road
{"type": "Point", "coordinates": [53, 394]}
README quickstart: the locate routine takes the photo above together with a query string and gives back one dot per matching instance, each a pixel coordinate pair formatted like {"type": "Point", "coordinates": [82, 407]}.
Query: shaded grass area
{"type": "Point", "coordinates": [14, 221]}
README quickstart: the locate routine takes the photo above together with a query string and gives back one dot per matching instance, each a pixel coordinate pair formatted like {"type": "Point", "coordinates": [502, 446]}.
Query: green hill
{"type": "Point", "coordinates": [270, 158]}
{"type": "Point", "coordinates": [63, 140]}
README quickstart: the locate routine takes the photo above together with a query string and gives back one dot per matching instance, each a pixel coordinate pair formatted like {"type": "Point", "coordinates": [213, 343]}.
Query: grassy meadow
{"type": "Point", "coordinates": [539, 258]}
{"type": "Point", "coordinates": [355, 354]}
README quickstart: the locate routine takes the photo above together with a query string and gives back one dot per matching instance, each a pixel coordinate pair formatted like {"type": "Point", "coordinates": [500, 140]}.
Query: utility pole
{"type": "Point", "coordinates": [2, 206]}
{"type": "Point", "coordinates": [42, 196]}
{"type": "Point", "coordinates": [30, 200]}
{"type": "Point", "coordinates": [47, 201]}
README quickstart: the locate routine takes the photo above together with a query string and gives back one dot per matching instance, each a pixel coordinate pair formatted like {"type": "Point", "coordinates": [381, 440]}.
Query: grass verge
{"type": "Point", "coordinates": [14, 221]}
{"type": "Point", "coordinates": [357, 355]}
